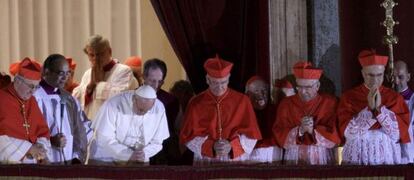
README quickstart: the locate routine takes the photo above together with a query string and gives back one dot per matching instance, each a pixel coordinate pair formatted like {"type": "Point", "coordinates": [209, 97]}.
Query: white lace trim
{"type": "Point", "coordinates": [319, 154]}
{"type": "Point", "coordinates": [195, 145]}
{"type": "Point", "coordinates": [322, 141]}
{"type": "Point", "coordinates": [266, 154]}
{"type": "Point", "coordinates": [372, 147]}
{"type": "Point", "coordinates": [291, 138]}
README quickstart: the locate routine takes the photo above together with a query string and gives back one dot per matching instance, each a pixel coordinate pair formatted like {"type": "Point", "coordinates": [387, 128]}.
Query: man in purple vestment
{"type": "Point", "coordinates": [402, 77]}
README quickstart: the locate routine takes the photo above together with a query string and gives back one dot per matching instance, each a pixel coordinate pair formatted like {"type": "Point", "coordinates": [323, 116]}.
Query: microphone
{"type": "Point", "coordinates": [62, 108]}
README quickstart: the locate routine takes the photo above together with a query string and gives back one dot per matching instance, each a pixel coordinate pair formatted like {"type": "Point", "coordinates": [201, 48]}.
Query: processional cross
{"type": "Point", "coordinates": [389, 39]}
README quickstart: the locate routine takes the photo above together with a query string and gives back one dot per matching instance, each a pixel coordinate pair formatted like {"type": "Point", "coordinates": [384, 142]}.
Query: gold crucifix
{"type": "Point", "coordinates": [26, 125]}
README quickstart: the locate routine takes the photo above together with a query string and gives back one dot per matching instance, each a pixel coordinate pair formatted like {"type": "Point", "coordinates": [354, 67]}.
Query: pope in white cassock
{"type": "Point", "coordinates": [129, 128]}
{"type": "Point", "coordinates": [67, 123]}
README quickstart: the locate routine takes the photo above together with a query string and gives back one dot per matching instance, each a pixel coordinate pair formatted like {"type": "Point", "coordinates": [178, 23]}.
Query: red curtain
{"type": "Point", "coordinates": [237, 30]}
{"type": "Point", "coordinates": [360, 29]}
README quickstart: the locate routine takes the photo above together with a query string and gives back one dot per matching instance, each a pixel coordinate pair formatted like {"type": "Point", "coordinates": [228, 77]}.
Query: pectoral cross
{"type": "Point", "coordinates": [26, 125]}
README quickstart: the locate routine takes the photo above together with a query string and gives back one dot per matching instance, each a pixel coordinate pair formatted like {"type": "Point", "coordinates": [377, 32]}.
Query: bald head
{"type": "Point", "coordinates": [401, 75]}
{"type": "Point", "coordinates": [400, 65]}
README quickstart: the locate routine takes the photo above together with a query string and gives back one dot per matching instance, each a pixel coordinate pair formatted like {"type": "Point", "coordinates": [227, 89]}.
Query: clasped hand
{"type": "Point", "coordinates": [222, 147]}
{"type": "Point", "coordinates": [374, 99]}
{"type": "Point", "coordinates": [137, 156]}
{"type": "Point", "coordinates": [38, 152]}
{"type": "Point", "coordinates": [306, 125]}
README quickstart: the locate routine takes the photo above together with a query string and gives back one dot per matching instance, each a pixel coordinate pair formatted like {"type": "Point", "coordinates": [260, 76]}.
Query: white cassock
{"type": "Point", "coordinates": [15, 148]}
{"type": "Point", "coordinates": [72, 122]}
{"type": "Point", "coordinates": [372, 147]}
{"type": "Point", "coordinates": [407, 150]}
{"type": "Point", "coordinates": [118, 131]}
{"type": "Point", "coordinates": [119, 78]}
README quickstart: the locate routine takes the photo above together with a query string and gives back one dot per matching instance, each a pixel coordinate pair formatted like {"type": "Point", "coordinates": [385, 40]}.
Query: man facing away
{"type": "Point", "coordinates": [24, 135]}
{"type": "Point", "coordinates": [373, 119]}
{"type": "Point", "coordinates": [219, 124]}
{"type": "Point", "coordinates": [62, 112]}
{"type": "Point", "coordinates": [130, 128]}
{"type": "Point", "coordinates": [306, 122]}
{"type": "Point", "coordinates": [104, 79]}
{"type": "Point", "coordinates": [135, 63]}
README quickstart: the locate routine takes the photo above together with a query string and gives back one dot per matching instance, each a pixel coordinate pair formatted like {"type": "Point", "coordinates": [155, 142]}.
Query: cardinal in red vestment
{"type": "Point", "coordinates": [219, 124]}
{"type": "Point", "coordinates": [24, 134]}
{"type": "Point", "coordinates": [373, 119]}
{"type": "Point", "coordinates": [305, 122]}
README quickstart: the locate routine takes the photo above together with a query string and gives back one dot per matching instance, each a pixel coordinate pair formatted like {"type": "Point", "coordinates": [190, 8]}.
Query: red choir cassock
{"type": "Point", "coordinates": [232, 110]}
{"type": "Point", "coordinates": [12, 121]}
{"type": "Point", "coordinates": [355, 100]}
{"type": "Point", "coordinates": [292, 109]}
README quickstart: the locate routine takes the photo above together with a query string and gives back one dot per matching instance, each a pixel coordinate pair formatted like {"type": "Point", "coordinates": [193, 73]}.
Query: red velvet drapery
{"type": "Point", "coordinates": [235, 29]}
{"type": "Point", "coordinates": [360, 28]}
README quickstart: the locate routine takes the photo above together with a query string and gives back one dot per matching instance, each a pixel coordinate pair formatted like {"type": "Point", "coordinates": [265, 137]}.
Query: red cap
{"type": "Point", "coordinates": [27, 68]}
{"type": "Point", "coordinates": [217, 67]}
{"type": "Point", "coordinates": [253, 78]}
{"type": "Point", "coordinates": [283, 83]}
{"type": "Point", "coordinates": [304, 70]}
{"type": "Point", "coordinates": [369, 57]}
{"type": "Point", "coordinates": [133, 61]}
{"type": "Point", "coordinates": [14, 68]}
{"type": "Point", "coordinates": [72, 63]}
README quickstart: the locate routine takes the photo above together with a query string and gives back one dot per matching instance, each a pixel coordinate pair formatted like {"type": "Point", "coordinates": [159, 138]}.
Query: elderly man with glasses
{"type": "Point", "coordinates": [62, 112]}
{"type": "Point", "coordinates": [220, 125]}
{"type": "Point", "coordinates": [305, 122]}
{"type": "Point", "coordinates": [24, 134]}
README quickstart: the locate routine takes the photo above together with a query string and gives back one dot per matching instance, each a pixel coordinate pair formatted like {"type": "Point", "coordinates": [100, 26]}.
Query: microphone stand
{"type": "Point", "coordinates": [62, 107]}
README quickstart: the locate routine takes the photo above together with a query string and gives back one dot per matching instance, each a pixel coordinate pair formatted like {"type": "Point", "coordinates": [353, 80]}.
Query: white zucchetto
{"type": "Point", "coordinates": [146, 91]}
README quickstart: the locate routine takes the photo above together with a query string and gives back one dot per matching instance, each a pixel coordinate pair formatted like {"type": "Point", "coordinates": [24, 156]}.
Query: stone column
{"type": "Point", "coordinates": [325, 50]}
{"type": "Point", "coordinates": [288, 36]}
